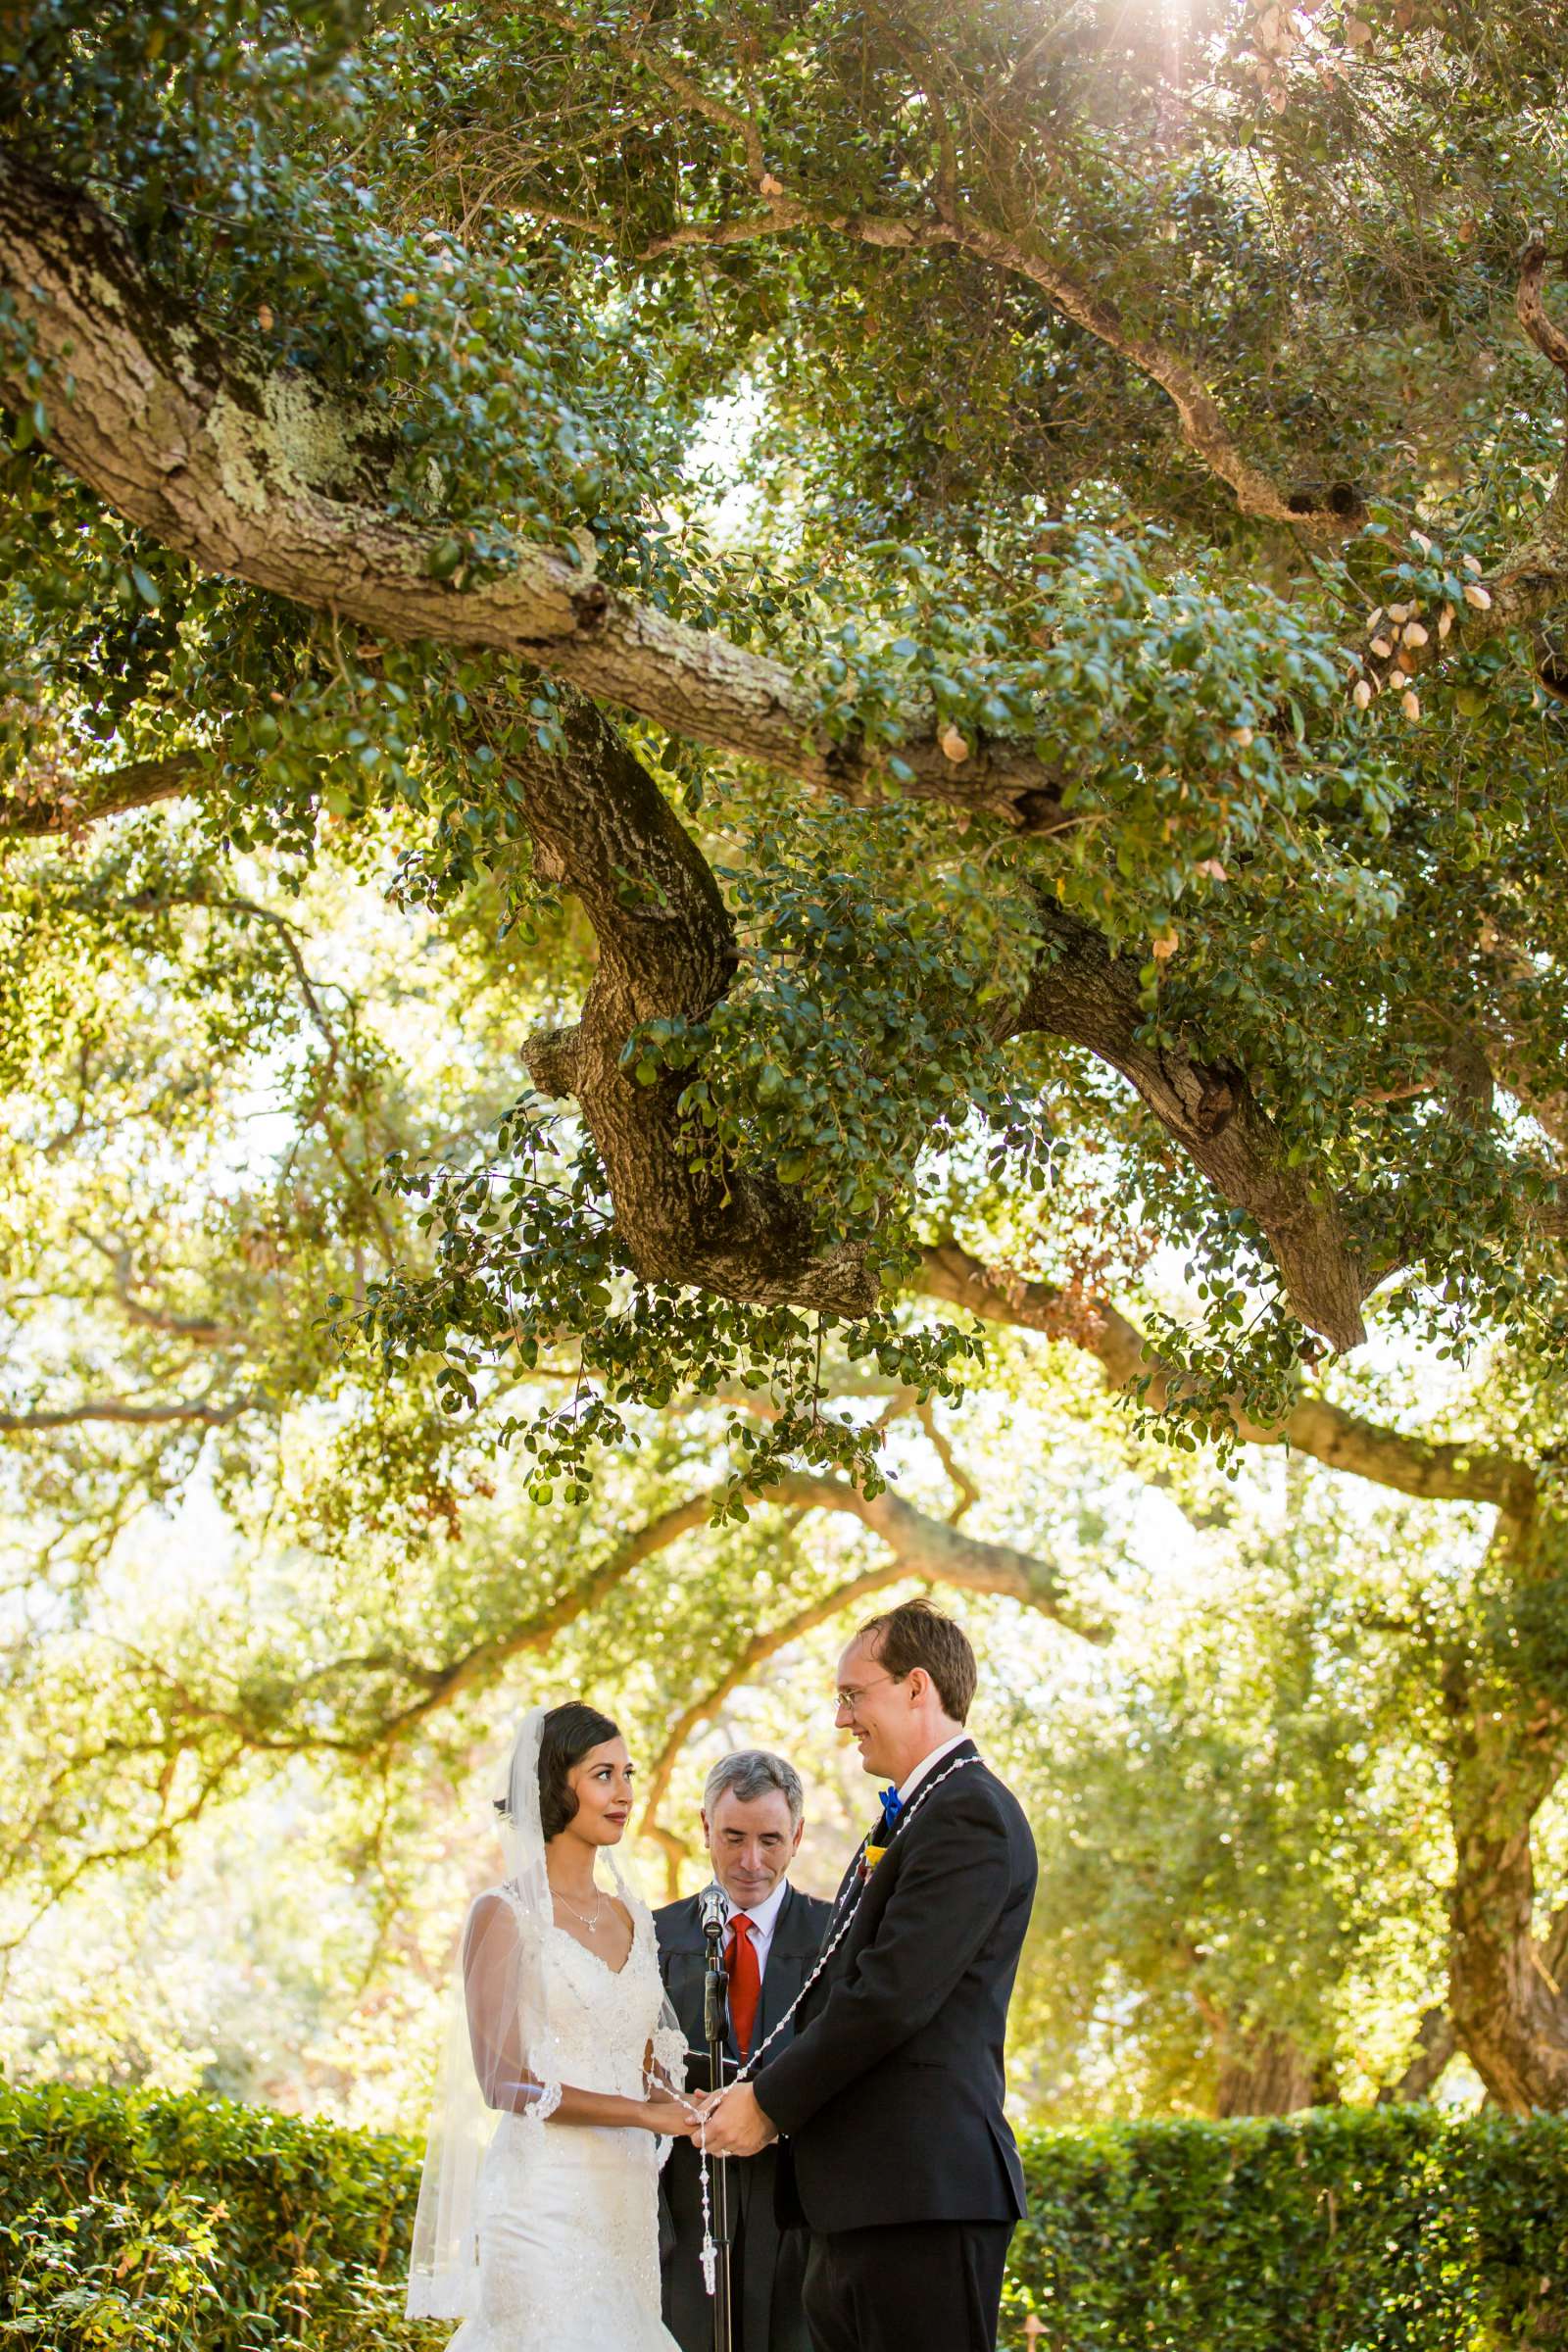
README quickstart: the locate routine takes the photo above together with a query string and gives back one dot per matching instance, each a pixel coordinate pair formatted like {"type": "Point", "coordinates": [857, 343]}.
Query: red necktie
{"type": "Point", "coordinates": [745, 1980]}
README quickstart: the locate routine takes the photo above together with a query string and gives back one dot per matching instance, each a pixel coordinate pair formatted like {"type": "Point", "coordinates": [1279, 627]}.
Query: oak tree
{"type": "Point", "coordinates": [1085, 801]}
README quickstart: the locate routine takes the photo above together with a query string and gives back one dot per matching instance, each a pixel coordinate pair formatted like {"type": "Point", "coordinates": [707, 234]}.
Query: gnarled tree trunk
{"type": "Point", "coordinates": [1269, 2072]}
{"type": "Point", "coordinates": [1510, 1743]}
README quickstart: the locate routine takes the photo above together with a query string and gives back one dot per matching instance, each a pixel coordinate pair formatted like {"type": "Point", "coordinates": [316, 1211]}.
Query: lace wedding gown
{"type": "Point", "coordinates": [567, 2214]}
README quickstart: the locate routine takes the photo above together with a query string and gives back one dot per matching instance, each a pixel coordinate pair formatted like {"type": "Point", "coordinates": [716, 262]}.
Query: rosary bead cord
{"type": "Point", "coordinates": [838, 1929]}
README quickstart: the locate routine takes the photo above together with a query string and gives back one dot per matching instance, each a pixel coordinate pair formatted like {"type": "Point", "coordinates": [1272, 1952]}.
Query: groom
{"type": "Point", "coordinates": [897, 2156]}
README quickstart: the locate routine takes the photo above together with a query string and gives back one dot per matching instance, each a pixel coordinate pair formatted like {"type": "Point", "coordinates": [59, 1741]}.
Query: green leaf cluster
{"type": "Point", "coordinates": [528, 1267]}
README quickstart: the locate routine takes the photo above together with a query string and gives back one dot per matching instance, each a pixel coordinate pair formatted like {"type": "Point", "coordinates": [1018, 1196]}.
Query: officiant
{"type": "Point", "coordinates": [753, 1813]}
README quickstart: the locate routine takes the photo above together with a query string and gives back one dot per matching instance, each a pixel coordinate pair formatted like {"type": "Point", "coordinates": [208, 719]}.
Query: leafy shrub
{"type": "Point", "coordinates": [1383, 2230]}
{"type": "Point", "coordinates": [162, 2224]}
{"type": "Point", "coordinates": [153, 2225]}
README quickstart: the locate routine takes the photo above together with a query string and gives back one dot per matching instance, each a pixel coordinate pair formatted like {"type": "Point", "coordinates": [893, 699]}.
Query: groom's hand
{"type": "Point", "coordinates": [736, 2124]}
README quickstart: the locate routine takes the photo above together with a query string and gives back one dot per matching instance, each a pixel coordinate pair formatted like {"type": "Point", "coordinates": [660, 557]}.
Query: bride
{"type": "Point", "coordinates": [537, 2222]}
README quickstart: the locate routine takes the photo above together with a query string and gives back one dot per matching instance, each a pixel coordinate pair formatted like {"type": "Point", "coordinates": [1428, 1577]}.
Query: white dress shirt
{"type": "Point", "coordinates": [764, 1917]}
{"type": "Point", "coordinates": [928, 1764]}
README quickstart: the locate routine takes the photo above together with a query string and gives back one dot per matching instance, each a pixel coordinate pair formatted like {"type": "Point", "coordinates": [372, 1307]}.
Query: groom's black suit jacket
{"type": "Point", "coordinates": [767, 2284]}
{"type": "Point", "coordinates": [890, 2096]}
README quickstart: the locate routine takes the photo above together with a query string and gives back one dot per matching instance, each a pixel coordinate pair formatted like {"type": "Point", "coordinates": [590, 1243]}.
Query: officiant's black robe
{"type": "Point", "coordinates": [891, 2091]}
{"type": "Point", "coordinates": [768, 2266]}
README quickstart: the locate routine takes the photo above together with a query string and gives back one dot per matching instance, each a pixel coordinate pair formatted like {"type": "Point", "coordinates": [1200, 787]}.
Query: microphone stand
{"type": "Point", "coordinates": [714, 1984]}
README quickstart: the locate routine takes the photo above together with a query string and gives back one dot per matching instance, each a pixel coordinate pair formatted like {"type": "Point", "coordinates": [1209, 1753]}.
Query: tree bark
{"type": "Point", "coordinates": [666, 946]}
{"type": "Point", "coordinates": [1268, 2073]}
{"type": "Point", "coordinates": [260, 474]}
{"type": "Point", "coordinates": [1509, 1746]}
{"type": "Point", "coordinates": [1082, 992]}
{"type": "Point", "coordinates": [1432, 1470]}
{"type": "Point", "coordinates": [1436, 2041]}
{"type": "Point", "coordinates": [140, 784]}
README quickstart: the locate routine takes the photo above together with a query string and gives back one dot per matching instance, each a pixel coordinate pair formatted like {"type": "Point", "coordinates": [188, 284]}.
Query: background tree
{"type": "Point", "coordinates": [1064, 838]}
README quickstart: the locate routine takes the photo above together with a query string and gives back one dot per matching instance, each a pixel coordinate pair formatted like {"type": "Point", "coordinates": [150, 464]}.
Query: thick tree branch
{"type": "Point", "coordinates": [1507, 1750]}
{"type": "Point", "coordinates": [140, 784]}
{"type": "Point", "coordinates": [666, 946]}
{"type": "Point", "coordinates": [1082, 992]}
{"type": "Point", "coordinates": [1429, 1470]}
{"type": "Point", "coordinates": [1544, 333]}
{"type": "Point", "coordinates": [934, 1548]}
{"type": "Point", "coordinates": [1554, 1944]}
{"type": "Point", "coordinates": [920, 1546]}
{"type": "Point", "coordinates": [1199, 414]}
{"type": "Point", "coordinates": [259, 476]}
{"type": "Point", "coordinates": [199, 1412]}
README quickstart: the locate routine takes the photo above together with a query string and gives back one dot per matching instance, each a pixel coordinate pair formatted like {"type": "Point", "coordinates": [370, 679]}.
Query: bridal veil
{"type": "Point", "coordinates": [499, 2055]}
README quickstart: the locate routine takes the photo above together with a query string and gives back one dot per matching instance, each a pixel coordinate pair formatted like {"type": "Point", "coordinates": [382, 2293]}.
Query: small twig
{"type": "Point", "coordinates": [968, 1491]}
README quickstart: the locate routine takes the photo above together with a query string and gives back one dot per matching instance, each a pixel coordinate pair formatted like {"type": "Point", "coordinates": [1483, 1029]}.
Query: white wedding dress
{"type": "Point", "coordinates": [542, 2236]}
{"type": "Point", "coordinates": [568, 2214]}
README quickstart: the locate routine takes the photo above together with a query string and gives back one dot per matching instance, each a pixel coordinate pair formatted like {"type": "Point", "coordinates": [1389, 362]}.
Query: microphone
{"type": "Point", "coordinates": [713, 1902]}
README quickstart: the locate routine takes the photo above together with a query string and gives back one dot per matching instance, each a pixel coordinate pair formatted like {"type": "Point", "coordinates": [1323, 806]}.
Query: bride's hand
{"type": "Point", "coordinates": [667, 2116]}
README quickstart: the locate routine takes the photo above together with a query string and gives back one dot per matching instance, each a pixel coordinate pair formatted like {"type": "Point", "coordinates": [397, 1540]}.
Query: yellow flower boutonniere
{"type": "Point", "coordinates": [881, 1838]}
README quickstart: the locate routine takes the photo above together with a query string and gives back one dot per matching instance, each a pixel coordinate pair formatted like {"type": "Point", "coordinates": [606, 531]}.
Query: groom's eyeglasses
{"type": "Point", "coordinates": [853, 1692]}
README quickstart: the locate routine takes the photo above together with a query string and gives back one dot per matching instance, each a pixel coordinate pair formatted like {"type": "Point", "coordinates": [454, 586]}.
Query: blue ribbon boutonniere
{"type": "Point", "coordinates": [881, 1838]}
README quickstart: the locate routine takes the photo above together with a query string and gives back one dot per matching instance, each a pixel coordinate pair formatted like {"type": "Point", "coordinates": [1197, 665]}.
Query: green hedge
{"type": "Point", "coordinates": [1385, 2229]}
{"type": "Point", "coordinates": [153, 2225]}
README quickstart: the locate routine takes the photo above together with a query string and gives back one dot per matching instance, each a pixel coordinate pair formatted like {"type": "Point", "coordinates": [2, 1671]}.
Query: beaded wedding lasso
{"type": "Point", "coordinates": [837, 1929]}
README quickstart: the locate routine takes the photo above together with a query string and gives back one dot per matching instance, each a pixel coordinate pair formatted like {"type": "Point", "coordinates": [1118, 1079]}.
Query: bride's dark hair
{"type": "Point", "coordinates": [565, 1736]}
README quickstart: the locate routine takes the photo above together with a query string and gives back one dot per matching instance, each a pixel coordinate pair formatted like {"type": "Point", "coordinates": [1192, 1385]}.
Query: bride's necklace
{"type": "Point", "coordinates": [583, 1918]}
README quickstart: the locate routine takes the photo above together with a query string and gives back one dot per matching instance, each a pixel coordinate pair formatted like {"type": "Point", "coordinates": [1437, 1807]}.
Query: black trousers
{"type": "Point", "coordinates": [907, 2287]}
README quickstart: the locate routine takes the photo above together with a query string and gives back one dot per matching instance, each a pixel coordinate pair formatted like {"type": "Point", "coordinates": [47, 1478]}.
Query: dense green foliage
{"type": "Point", "coordinates": [1046, 567]}
{"type": "Point", "coordinates": [1033, 418]}
{"type": "Point", "coordinates": [1244, 1820]}
{"type": "Point", "coordinates": [155, 2225]}
{"type": "Point", "coordinates": [161, 2225]}
{"type": "Point", "coordinates": [1372, 2233]}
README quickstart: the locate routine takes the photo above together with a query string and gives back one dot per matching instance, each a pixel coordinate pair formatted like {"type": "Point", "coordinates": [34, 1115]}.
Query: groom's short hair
{"type": "Point", "coordinates": [916, 1634]}
{"type": "Point", "coordinates": [754, 1772]}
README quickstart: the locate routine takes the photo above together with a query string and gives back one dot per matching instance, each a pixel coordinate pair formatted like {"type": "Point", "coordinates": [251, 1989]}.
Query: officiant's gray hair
{"type": "Point", "coordinates": [753, 1772]}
